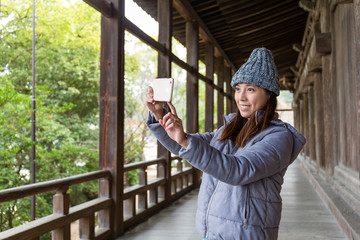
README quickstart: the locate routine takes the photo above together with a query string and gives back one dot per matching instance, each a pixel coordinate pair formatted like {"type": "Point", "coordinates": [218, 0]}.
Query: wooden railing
{"type": "Point", "coordinates": [140, 201]}
{"type": "Point", "coordinates": [59, 222]}
{"type": "Point", "coordinates": [148, 196]}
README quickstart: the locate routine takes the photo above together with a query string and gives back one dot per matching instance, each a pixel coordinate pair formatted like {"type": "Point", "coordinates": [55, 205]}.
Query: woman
{"type": "Point", "coordinates": [243, 162]}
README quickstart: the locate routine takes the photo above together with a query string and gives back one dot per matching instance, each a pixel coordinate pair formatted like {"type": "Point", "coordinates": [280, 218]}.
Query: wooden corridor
{"type": "Point", "coordinates": [304, 215]}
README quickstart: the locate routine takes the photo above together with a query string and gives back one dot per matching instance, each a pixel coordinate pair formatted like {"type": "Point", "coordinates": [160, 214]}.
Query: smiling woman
{"type": "Point", "coordinates": [241, 159]}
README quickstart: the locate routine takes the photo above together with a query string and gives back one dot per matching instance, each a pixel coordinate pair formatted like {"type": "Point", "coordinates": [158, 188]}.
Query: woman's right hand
{"type": "Point", "coordinates": [155, 107]}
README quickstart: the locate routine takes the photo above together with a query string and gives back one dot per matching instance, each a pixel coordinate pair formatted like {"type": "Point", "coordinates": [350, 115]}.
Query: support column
{"type": "Point", "coordinates": [319, 120]}
{"type": "Point", "coordinates": [192, 85]}
{"type": "Point", "coordinates": [311, 138]}
{"type": "Point", "coordinates": [296, 109]}
{"type": "Point", "coordinates": [305, 121]}
{"type": "Point", "coordinates": [112, 109]}
{"type": "Point", "coordinates": [357, 76]}
{"type": "Point", "coordinates": [227, 79]}
{"type": "Point", "coordinates": [164, 70]}
{"type": "Point", "coordinates": [219, 65]}
{"type": "Point", "coordinates": [209, 98]}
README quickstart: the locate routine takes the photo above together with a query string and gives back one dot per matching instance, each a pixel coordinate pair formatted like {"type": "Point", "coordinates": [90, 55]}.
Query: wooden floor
{"type": "Point", "coordinates": [304, 216]}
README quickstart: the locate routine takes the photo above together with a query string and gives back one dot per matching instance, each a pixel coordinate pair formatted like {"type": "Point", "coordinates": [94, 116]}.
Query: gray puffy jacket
{"type": "Point", "coordinates": [239, 196]}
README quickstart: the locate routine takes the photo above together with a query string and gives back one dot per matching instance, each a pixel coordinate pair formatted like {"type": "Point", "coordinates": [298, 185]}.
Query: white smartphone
{"type": "Point", "coordinates": [163, 89]}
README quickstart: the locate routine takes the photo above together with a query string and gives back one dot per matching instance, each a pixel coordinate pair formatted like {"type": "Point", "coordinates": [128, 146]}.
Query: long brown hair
{"type": "Point", "coordinates": [240, 130]}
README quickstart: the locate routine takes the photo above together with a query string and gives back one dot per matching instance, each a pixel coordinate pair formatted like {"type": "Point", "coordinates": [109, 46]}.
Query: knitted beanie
{"type": "Point", "coordinates": [259, 70]}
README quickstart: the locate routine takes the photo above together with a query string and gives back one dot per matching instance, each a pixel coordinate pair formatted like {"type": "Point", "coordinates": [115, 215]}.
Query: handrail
{"type": "Point", "coordinates": [143, 164]}
{"type": "Point", "coordinates": [36, 188]}
{"type": "Point", "coordinates": [142, 200]}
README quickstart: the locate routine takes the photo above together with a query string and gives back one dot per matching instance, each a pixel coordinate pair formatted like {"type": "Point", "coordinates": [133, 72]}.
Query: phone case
{"type": "Point", "coordinates": [163, 89]}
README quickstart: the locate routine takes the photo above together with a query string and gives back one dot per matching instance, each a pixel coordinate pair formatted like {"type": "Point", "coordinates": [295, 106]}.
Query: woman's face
{"type": "Point", "coordinates": [250, 98]}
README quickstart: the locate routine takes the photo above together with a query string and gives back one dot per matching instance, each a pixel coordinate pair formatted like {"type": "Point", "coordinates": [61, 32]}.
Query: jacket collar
{"type": "Point", "coordinates": [258, 116]}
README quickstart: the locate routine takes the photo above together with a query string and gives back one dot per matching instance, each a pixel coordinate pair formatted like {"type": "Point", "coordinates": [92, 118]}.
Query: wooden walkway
{"type": "Point", "coordinates": [304, 215]}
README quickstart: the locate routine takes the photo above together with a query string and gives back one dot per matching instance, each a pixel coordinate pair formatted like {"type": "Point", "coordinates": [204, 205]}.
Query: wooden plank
{"type": "Point", "coordinates": [112, 108]}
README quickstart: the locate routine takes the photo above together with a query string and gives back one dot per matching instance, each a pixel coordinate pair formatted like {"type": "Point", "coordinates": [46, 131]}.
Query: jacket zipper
{"type": "Point", "coordinates": [208, 209]}
{"type": "Point", "coordinates": [212, 196]}
{"type": "Point", "coordinates": [246, 210]}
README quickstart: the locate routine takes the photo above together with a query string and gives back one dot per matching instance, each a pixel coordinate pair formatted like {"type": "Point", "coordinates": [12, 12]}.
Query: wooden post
{"type": "Point", "coordinates": [112, 110]}
{"type": "Point", "coordinates": [227, 79]}
{"type": "Point", "coordinates": [104, 215]}
{"type": "Point", "coordinates": [192, 84]}
{"type": "Point", "coordinates": [192, 87]}
{"type": "Point", "coordinates": [87, 227]}
{"type": "Point", "coordinates": [305, 121]}
{"type": "Point", "coordinates": [164, 70]}
{"type": "Point", "coordinates": [61, 205]}
{"type": "Point", "coordinates": [161, 173]}
{"type": "Point", "coordinates": [142, 197]}
{"type": "Point", "coordinates": [219, 66]}
{"type": "Point", "coordinates": [311, 138]}
{"type": "Point", "coordinates": [319, 120]}
{"type": "Point", "coordinates": [296, 109]}
{"type": "Point", "coordinates": [357, 75]}
{"type": "Point", "coordinates": [209, 98]}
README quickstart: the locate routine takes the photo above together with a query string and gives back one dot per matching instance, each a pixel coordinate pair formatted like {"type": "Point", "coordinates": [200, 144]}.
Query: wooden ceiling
{"type": "Point", "coordinates": [239, 26]}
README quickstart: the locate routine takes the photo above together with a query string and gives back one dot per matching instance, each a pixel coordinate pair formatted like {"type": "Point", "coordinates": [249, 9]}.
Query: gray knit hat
{"type": "Point", "coordinates": [259, 70]}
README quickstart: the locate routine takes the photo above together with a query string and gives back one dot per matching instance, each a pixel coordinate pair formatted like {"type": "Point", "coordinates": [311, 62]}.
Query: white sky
{"type": "Point", "coordinates": [140, 18]}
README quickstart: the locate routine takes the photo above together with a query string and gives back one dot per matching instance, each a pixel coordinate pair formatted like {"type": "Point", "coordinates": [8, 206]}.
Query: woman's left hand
{"type": "Point", "coordinates": [173, 126]}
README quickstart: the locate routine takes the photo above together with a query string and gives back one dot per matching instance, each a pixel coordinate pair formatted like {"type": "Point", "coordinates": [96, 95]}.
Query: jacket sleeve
{"type": "Point", "coordinates": [161, 135]}
{"type": "Point", "coordinates": [262, 159]}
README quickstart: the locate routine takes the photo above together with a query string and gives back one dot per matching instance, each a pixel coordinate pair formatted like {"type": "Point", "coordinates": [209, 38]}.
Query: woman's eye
{"type": "Point", "coordinates": [237, 89]}
{"type": "Point", "coordinates": [251, 89]}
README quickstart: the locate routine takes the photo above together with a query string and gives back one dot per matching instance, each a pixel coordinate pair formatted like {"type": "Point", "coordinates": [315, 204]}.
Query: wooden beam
{"type": "Point", "coordinates": [312, 64]}
{"type": "Point", "coordinates": [105, 7]}
{"type": "Point", "coordinates": [335, 3]}
{"type": "Point", "coordinates": [323, 42]}
{"type": "Point", "coordinates": [307, 5]}
{"type": "Point", "coordinates": [112, 109]}
{"type": "Point", "coordinates": [183, 6]}
{"type": "Point", "coordinates": [137, 32]}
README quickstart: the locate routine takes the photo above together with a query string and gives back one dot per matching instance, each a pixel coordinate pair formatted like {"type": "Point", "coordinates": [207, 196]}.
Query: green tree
{"type": "Point", "coordinates": [67, 88]}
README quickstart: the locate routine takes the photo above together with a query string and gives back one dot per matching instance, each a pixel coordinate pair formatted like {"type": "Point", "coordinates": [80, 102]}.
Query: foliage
{"type": "Point", "coordinates": [67, 87]}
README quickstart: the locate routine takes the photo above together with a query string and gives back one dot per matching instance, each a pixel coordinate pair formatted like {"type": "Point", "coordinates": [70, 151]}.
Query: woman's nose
{"type": "Point", "coordinates": [242, 95]}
